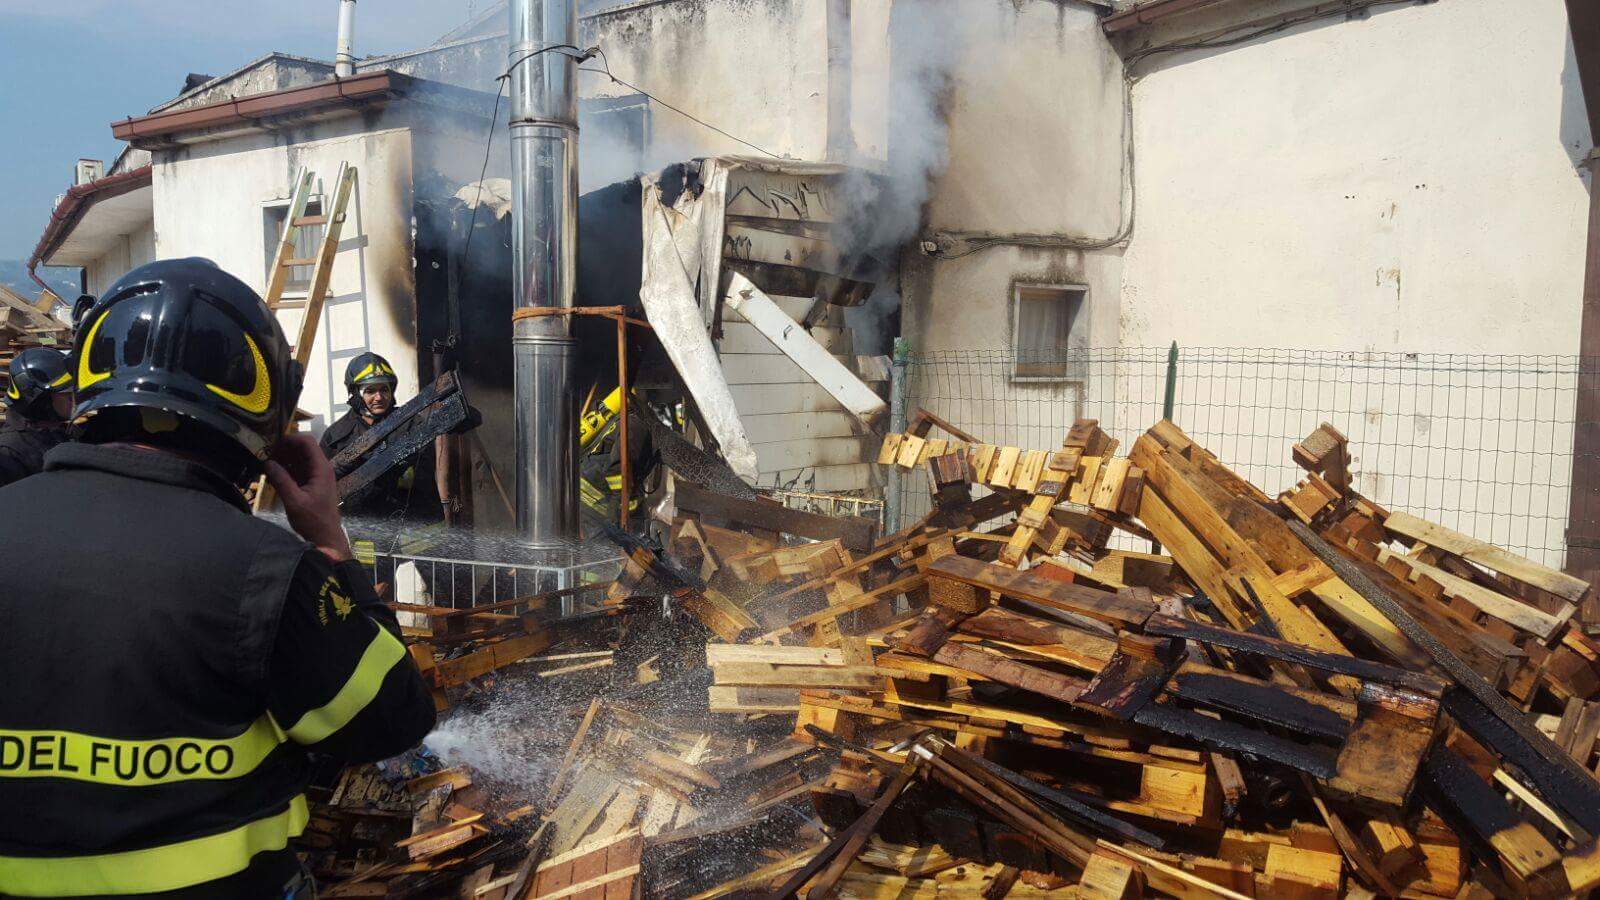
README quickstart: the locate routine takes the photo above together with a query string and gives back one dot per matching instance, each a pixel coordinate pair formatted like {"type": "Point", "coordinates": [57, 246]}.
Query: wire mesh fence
{"type": "Point", "coordinates": [1482, 444]}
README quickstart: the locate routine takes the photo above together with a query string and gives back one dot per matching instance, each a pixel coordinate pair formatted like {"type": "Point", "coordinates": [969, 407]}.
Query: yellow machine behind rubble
{"type": "Point", "coordinates": [594, 426]}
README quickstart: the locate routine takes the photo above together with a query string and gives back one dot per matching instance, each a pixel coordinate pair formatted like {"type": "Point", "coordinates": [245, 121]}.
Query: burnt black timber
{"type": "Point", "coordinates": [434, 420]}
{"type": "Point", "coordinates": [1120, 609]}
{"type": "Point", "coordinates": [855, 532]}
{"type": "Point", "coordinates": [1131, 680]}
{"type": "Point", "coordinates": [1069, 805]}
{"type": "Point", "coordinates": [350, 457]}
{"type": "Point", "coordinates": [852, 838]}
{"type": "Point", "coordinates": [1274, 648]}
{"type": "Point", "coordinates": [1260, 700]}
{"type": "Point", "coordinates": [1476, 705]}
{"type": "Point", "coordinates": [1477, 812]}
{"type": "Point", "coordinates": [1481, 806]}
{"type": "Point", "coordinates": [687, 460]}
{"type": "Point", "coordinates": [1318, 762]}
{"type": "Point", "coordinates": [1577, 797]}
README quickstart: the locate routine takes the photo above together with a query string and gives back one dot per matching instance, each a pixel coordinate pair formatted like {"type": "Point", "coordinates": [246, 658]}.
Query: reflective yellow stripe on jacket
{"type": "Point", "coordinates": [363, 685]}
{"type": "Point", "coordinates": [163, 868]}
{"type": "Point", "coordinates": [88, 757]}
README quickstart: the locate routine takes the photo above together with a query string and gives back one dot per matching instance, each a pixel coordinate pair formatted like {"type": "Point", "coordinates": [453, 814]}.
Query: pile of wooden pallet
{"type": "Point", "coordinates": [24, 325]}
{"type": "Point", "coordinates": [1297, 696]}
{"type": "Point", "coordinates": [1082, 674]}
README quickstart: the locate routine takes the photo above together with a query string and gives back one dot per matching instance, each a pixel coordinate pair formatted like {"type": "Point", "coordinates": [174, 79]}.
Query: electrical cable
{"type": "Point", "coordinates": [1125, 215]}
{"type": "Point", "coordinates": [1285, 25]}
{"type": "Point", "coordinates": [579, 56]}
{"type": "Point", "coordinates": [653, 98]}
{"type": "Point", "coordinates": [494, 119]}
{"type": "Point", "coordinates": [978, 243]}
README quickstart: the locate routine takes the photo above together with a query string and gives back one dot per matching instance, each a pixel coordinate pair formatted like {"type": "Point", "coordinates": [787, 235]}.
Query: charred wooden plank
{"type": "Point", "coordinates": [1379, 761]}
{"type": "Point", "coordinates": [1274, 648]}
{"type": "Point", "coordinates": [1317, 761]}
{"type": "Point", "coordinates": [930, 632]}
{"type": "Point", "coordinates": [1302, 711]}
{"type": "Point", "coordinates": [1070, 805]}
{"type": "Point", "coordinates": [855, 532]}
{"type": "Point", "coordinates": [1482, 815]}
{"type": "Point", "coordinates": [402, 442]}
{"type": "Point", "coordinates": [826, 866]}
{"type": "Point", "coordinates": [1477, 706]}
{"type": "Point", "coordinates": [1007, 671]}
{"type": "Point", "coordinates": [350, 457]}
{"type": "Point", "coordinates": [1137, 671]}
{"type": "Point", "coordinates": [1125, 609]}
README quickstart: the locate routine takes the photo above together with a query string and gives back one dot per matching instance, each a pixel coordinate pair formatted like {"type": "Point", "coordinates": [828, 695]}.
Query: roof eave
{"type": "Point", "coordinates": [78, 200]}
{"type": "Point", "coordinates": [165, 129]}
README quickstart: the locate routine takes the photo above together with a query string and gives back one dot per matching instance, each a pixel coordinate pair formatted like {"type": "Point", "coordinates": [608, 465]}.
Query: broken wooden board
{"type": "Point", "coordinates": [1487, 555]}
{"type": "Point", "coordinates": [855, 532]}
{"type": "Point", "coordinates": [1128, 608]}
{"type": "Point", "coordinates": [736, 665]}
{"type": "Point", "coordinates": [797, 343]}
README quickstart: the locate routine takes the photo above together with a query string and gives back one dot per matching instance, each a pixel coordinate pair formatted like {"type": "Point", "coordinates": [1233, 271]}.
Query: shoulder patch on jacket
{"type": "Point", "coordinates": [333, 603]}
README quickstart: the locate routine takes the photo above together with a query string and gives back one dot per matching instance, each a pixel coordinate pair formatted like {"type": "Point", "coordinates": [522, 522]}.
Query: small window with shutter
{"type": "Point", "coordinates": [307, 241]}
{"type": "Point", "coordinates": [1045, 328]}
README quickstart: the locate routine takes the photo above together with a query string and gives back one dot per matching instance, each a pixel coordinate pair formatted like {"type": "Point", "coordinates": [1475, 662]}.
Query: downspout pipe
{"type": "Point", "coordinates": [40, 281]}
{"type": "Point", "coordinates": [344, 57]}
{"type": "Point", "coordinates": [841, 139]}
{"type": "Point", "coordinates": [544, 198]}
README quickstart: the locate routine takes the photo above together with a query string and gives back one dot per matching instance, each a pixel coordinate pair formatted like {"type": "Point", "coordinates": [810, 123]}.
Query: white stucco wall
{"type": "Point", "coordinates": [1396, 188]}
{"type": "Point", "coordinates": [1403, 183]}
{"type": "Point", "coordinates": [1034, 115]}
{"type": "Point", "coordinates": [756, 68]}
{"type": "Point", "coordinates": [128, 251]}
{"type": "Point", "coordinates": [210, 201]}
{"type": "Point", "coordinates": [1034, 146]}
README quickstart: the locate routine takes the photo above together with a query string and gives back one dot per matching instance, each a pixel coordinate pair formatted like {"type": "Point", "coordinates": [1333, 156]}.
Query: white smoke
{"type": "Point", "coordinates": [928, 41]}
{"type": "Point", "coordinates": [608, 152]}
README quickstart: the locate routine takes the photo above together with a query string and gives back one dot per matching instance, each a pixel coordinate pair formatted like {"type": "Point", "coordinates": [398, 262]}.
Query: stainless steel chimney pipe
{"type": "Point", "coordinates": [344, 57]}
{"type": "Point", "coordinates": [544, 195]}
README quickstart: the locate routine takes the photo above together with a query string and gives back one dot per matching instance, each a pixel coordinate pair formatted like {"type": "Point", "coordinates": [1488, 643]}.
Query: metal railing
{"type": "Point", "coordinates": [1482, 444]}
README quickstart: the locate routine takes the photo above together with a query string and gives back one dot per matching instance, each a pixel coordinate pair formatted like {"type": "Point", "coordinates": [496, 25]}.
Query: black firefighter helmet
{"type": "Point", "coordinates": [368, 368]}
{"type": "Point", "coordinates": [80, 310]}
{"type": "Point", "coordinates": [180, 341]}
{"type": "Point", "coordinates": [37, 374]}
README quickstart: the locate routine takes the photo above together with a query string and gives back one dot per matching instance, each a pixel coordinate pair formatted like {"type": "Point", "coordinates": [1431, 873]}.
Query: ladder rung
{"type": "Point", "coordinates": [306, 261]}
{"type": "Point", "coordinates": [290, 304]}
{"type": "Point", "coordinates": [304, 221]}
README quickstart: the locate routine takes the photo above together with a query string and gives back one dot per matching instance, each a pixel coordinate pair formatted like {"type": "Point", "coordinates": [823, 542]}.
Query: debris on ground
{"type": "Point", "coordinates": [1079, 673]}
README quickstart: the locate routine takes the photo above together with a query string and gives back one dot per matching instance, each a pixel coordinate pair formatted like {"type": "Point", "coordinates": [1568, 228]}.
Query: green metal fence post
{"type": "Point", "coordinates": [897, 423]}
{"type": "Point", "coordinates": [1172, 382]}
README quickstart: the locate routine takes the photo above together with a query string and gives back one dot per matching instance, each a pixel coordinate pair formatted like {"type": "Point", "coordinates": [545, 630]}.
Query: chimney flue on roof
{"type": "Point", "coordinates": [344, 58]}
{"type": "Point", "coordinates": [544, 198]}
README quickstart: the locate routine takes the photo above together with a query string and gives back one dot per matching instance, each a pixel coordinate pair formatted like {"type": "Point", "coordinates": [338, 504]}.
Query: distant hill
{"type": "Point", "coordinates": [14, 275]}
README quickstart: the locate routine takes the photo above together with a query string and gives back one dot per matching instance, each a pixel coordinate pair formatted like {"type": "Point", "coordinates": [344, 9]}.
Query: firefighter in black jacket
{"type": "Point", "coordinates": [172, 661]}
{"type": "Point", "coordinates": [38, 403]}
{"type": "Point", "coordinates": [406, 495]}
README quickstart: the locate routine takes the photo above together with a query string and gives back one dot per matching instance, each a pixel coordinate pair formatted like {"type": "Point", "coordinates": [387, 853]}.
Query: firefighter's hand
{"type": "Point", "coordinates": [303, 478]}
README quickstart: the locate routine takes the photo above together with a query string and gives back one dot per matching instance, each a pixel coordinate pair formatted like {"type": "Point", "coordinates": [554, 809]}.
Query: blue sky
{"type": "Point", "coordinates": [68, 68]}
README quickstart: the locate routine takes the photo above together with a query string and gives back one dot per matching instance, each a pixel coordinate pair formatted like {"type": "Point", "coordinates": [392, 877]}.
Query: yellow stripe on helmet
{"type": "Point", "coordinates": [63, 381]}
{"type": "Point", "coordinates": [374, 368]}
{"type": "Point", "coordinates": [86, 375]}
{"type": "Point", "coordinates": [260, 397]}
